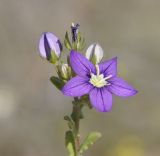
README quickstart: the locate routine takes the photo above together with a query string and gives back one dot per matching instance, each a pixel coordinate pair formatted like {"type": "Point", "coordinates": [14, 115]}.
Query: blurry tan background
{"type": "Point", "coordinates": [32, 110]}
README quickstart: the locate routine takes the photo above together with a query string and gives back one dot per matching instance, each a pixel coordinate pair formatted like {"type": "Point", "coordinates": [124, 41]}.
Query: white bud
{"type": "Point", "coordinates": [64, 71]}
{"type": "Point", "coordinates": [94, 53]}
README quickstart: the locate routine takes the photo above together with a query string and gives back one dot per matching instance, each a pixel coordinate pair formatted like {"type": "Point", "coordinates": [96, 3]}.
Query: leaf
{"type": "Point", "coordinates": [67, 42]}
{"type": "Point", "coordinates": [70, 122]}
{"type": "Point", "coordinates": [90, 140]}
{"type": "Point", "coordinates": [58, 83]}
{"type": "Point", "coordinates": [70, 143]}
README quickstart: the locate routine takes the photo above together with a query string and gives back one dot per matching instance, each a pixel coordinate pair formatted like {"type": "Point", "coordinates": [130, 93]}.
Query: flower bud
{"type": "Point", "coordinates": [74, 30]}
{"type": "Point", "coordinates": [50, 47]}
{"type": "Point", "coordinates": [64, 71]}
{"type": "Point", "coordinates": [94, 53]}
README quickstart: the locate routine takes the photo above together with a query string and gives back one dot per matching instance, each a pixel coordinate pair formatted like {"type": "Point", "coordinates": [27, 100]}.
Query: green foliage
{"type": "Point", "coordinates": [80, 42]}
{"type": "Point", "coordinates": [70, 143]}
{"type": "Point", "coordinates": [70, 122]}
{"type": "Point", "coordinates": [67, 42]}
{"type": "Point", "coordinates": [78, 45]}
{"type": "Point", "coordinates": [53, 58]}
{"type": "Point", "coordinates": [90, 140]}
{"type": "Point", "coordinates": [58, 83]}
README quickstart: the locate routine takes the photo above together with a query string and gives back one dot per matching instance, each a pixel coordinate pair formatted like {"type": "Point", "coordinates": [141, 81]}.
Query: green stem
{"type": "Point", "coordinates": [76, 116]}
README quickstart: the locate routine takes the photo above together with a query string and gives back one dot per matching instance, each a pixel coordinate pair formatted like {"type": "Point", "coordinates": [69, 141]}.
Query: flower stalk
{"type": "Point", "coordinates": [76, 116]}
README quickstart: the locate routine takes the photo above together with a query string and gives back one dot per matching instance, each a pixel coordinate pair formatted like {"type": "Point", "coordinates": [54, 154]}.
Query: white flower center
{"type": "Point", "coordinates": [99, 80]}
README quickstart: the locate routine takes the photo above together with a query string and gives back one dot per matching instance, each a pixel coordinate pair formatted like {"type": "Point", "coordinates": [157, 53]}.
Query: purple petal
{"type": "Point", "coordinates": [48, 43]}
{"type": "Point", "coordinates": [121, 88]}
{"type": "Point", "coordinates": [81, 65]}
{"type": "Point", "coordinates": [101, 99]}
{"type": "Point", "coordinates": [77, 86]}
{"type": "Point", "coordinates": [109, 67]}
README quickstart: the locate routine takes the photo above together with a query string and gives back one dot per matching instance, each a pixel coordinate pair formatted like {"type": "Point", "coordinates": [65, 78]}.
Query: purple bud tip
{"type": "Point", "coordinates": [60, 45]}
{"type": "Point", "coordinates": [49, 43]}
{"type": "Point", "coordinates": [47, 47]}
{"type": "Point", "coordinates": [74, 30]}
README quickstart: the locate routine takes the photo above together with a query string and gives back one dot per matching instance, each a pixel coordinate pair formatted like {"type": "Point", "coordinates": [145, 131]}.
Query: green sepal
{"type": "Point", "coordinates": [90, 140]}
{"type": "Point", "coordinates": [67, 42]}
{"type": "Point", "coordinates": [58, 83]}
{"type": "Point", "coordinates": [93, 59]}
{"type": "Point", "coordinates": [54, 58]}
{"type": "Point", "coordinates": [70, 143]}
{"type": "Point", "coordinates": [80, 42]}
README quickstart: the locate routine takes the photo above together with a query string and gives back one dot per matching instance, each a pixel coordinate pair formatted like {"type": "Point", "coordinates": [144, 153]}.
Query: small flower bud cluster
{"type": "Point", "coordinates": [51, 49]}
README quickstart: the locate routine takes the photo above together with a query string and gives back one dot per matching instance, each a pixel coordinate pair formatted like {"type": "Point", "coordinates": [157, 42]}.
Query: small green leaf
{"type": "Point", "coordinates": [90, 140]}
{"type": "Point", "coordinates": [70, 143]}
{"type": "Point", "coordinates": [58, 83]}
{"type": "Point", "coordinates": [81, 44]}
{"type": "Point", "coordinates": [70, 122]}
{"type": "Point", "coordinates": [67, 42]}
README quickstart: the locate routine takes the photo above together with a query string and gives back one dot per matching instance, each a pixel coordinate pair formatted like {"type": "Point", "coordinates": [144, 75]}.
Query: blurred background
{"type": "Point", "coordinates": [32, 109]}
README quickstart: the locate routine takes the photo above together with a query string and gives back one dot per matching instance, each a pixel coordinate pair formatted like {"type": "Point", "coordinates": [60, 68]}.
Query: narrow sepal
{"type": "Point", "coordinates": [80, 42]}
{"type": "Point", "coordinates": [58, 83]}
{"type": "Point", "coordinates": [67, 42]}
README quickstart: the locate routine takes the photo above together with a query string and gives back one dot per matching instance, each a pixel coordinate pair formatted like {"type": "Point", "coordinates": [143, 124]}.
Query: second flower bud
{"type": "Point", "coordinates": [94, 53]}
{"type": "Point", "coordinates": [64, 71]}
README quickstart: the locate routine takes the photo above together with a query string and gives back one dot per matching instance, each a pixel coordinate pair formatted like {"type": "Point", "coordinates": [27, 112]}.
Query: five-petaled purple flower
{"type": "Point", "coordinates": [99, 81]}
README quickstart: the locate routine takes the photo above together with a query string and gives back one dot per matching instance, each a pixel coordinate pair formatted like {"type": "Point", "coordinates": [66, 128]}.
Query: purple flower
{"type": "Point", "coordinates": [99, 81]}
{"type": "Point", "coordinates": [50, 46]}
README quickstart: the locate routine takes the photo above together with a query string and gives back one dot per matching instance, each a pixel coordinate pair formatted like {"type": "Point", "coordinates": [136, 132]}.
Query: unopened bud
{"type": "Point", "coordinates": [94, 53]}
{"type": "Point", "coordinates": [64, 71]}
{"type": "Point", "coordinates": [74, 30]}
{"type": "Point", "coordinates": [50, 47]}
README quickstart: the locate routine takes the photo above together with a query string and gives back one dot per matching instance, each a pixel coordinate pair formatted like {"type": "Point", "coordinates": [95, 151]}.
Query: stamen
{"type": "Point", "coordinates": [99, 80]}
{"type": "Point", "coordinates": [108, 77]}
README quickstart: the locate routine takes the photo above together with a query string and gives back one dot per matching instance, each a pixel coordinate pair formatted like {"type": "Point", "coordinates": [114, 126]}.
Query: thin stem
{"type": "Point", "coordinates": [76, 116]}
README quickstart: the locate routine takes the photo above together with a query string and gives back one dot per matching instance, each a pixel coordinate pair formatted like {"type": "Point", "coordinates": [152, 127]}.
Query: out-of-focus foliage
{"type": "Point", "coordinates": [128, 146]}
{"type": "Point", "coordinates": [32, 109]}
